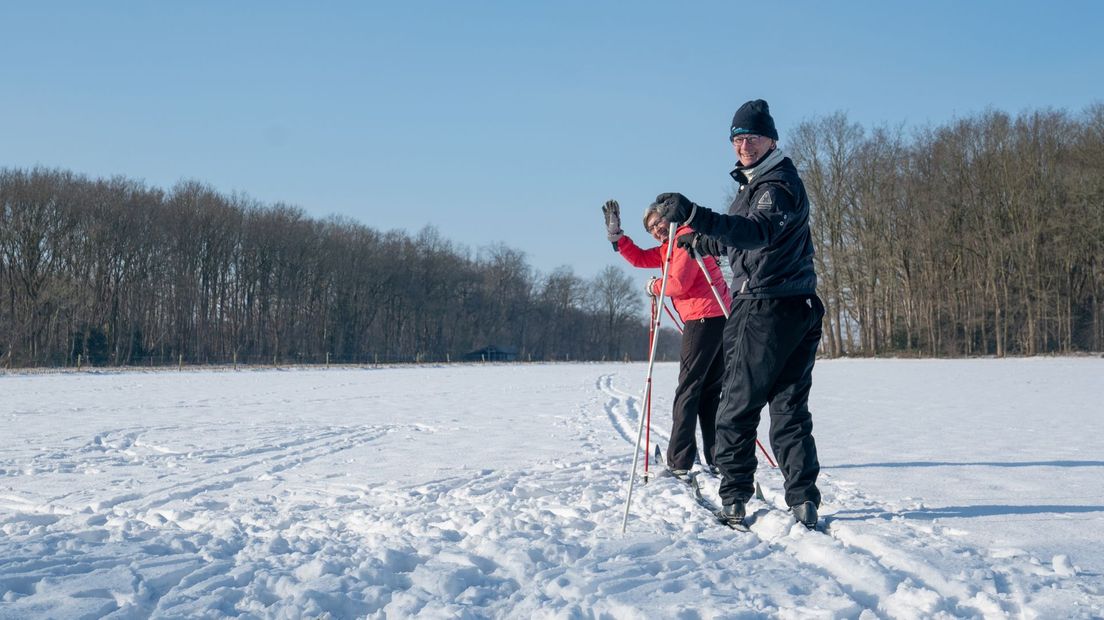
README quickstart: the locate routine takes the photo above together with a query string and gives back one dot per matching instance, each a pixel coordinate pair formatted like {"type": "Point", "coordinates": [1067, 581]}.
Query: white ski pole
{"type": "Point", "coordinates": [713, 287]}
{"type": "Point", "coordinates": [648, 380]}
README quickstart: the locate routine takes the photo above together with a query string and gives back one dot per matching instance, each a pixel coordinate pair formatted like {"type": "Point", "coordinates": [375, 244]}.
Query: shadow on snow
{"type": "Point", "coordinates": [960, 512]}
{"type": "Point", "coordinates": [972, 464]}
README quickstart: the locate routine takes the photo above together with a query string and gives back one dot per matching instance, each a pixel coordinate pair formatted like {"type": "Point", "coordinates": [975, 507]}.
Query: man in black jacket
{"type": "Point", "coordinates": [774, 329]}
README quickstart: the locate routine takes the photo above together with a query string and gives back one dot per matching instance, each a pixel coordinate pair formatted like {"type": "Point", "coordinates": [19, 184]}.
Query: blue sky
{"type": "Point", "coordinates": [501, 122]}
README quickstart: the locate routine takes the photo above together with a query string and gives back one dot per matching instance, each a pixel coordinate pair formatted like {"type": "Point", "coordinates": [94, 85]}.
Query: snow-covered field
{"type": "Point", "coordinates": [951, 489]}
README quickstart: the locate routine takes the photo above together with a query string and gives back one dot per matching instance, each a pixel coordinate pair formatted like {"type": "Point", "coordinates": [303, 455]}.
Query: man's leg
{"type": "Point", "coordinates": [791, 422]}
{"type": "Point", "coordinates": [749, 374]}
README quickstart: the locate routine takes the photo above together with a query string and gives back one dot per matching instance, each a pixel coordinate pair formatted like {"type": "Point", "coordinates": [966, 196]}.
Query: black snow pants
{"type": "Point", "coordinates": [770, 347]}
{"type": "Point", "coordinates": [701, 373]}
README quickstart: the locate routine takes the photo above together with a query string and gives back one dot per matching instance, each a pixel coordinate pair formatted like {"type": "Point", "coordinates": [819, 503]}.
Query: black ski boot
{"type": "Point", "coordinates": [732, 515]}
{"type": "Point", "coordinates": [806, 514]}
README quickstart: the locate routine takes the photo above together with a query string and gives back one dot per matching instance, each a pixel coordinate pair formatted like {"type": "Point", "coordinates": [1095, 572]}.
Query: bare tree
{"type": "Point", "coordinates": [617, 302]}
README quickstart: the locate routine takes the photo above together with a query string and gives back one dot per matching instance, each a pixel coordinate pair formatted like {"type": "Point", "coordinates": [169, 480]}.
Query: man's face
{"type": "Point", "coordinates": [750, 148]}
{"type": "Point", "coordinates": [657, 228]}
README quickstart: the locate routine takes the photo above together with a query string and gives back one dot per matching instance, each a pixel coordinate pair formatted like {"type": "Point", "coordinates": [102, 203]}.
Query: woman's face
{"type": "Point", "coordinates": [657, 228]}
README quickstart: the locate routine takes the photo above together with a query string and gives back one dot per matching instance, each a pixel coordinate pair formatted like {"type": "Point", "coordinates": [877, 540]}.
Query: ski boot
{"type": "Point", "coordinates": [806, 514]}
{"type": "Point", "coordinates": [733, 515]}
{"type": "Point", "coordinates": [681, 474]}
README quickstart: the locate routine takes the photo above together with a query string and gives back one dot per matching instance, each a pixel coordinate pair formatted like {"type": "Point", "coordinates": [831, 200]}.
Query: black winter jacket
{"type": "Point", "coordinates": [766, 234]}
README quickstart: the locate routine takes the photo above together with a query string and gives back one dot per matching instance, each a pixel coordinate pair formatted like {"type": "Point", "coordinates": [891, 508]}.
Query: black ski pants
{"type": "Point", "coordinates": [701, 373]}
{"type": "Point", "coordinates": [770, 347]}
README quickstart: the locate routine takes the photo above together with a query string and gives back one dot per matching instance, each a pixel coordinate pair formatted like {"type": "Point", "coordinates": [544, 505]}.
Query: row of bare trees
{"type": "Point", "coordinates": [983, 236]}
{"type": "Point", "coordinates": [113, 272]}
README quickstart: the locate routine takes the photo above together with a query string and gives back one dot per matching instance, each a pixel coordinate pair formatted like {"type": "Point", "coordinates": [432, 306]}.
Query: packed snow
{"type": "Point", "coordinates": [952, 489]}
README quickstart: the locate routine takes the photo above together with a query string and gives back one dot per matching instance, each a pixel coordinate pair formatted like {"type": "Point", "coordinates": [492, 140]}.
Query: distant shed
{"type": "Point", "coordinates": [492, 353]}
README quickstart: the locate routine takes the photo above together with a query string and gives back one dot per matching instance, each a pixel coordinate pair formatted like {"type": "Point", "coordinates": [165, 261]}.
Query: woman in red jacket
{"type": "Point", "coordinates": [701, 364]}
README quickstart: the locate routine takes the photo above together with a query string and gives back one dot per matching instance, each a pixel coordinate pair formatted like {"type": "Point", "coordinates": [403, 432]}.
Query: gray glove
{"type": "Point", "coordinates": [612, 211]}
{"type": "Point", "coordinates": [651, 287]}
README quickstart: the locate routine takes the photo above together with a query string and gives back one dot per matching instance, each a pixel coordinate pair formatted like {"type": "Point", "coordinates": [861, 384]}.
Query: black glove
{"type": "Point", "coordinates": [612, 211]}
{"type": "Point", "coordinates": [689, 242]}
{"type": "Point", "coordinates": [697, 244]}
{"type": "Point", "coordinates": [675, 208]}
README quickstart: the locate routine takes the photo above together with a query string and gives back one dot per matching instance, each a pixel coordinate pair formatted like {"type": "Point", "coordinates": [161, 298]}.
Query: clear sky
{"type": "Point", "coordinates": [506, 121]}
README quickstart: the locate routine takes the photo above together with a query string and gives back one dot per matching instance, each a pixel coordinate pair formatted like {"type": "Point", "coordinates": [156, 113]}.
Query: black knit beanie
{"type": "Point", "coordinates": [754, 117]}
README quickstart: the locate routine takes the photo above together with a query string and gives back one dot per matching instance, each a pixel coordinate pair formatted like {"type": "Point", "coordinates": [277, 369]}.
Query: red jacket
{"type": "Point", "coordinates": [686, 284]}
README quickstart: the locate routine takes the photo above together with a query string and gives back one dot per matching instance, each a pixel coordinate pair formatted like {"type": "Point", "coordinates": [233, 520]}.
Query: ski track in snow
{"type": "Point", "coordinates": [892, 568]}
{"type": "Point", "coordinates": [227, 530]}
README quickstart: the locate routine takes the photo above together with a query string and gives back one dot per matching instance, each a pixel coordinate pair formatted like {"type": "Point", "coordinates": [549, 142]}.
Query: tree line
{"type": "Point", "coordinates": [113, 272]}
{"type": "Point", "coordinates": [982, 236]}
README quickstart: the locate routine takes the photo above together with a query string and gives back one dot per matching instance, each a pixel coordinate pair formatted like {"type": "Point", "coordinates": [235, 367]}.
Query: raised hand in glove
{"type": "Point", "coordinates": [675, 208]}
{"type": "Point", "coordinates": [612, 211]}
{"type": "Point", "coordinates": [651, 287]}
